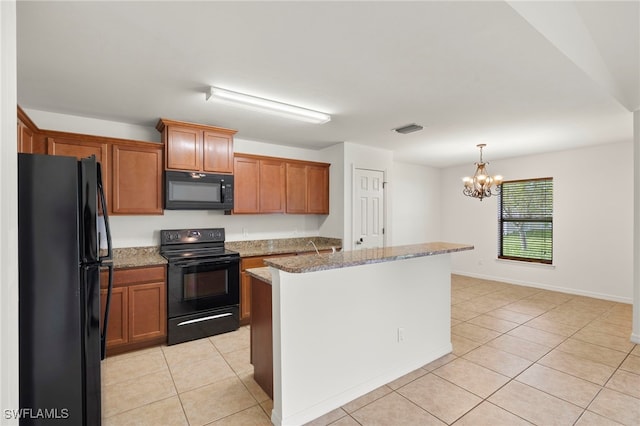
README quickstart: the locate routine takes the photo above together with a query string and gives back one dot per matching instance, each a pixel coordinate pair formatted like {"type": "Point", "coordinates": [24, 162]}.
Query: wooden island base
{"type": "Point", "coordinates": [262, 334]}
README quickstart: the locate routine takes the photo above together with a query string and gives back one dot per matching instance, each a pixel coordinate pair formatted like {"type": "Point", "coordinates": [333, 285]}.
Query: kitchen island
{"type": "Point", "coordinates": [345, 323]}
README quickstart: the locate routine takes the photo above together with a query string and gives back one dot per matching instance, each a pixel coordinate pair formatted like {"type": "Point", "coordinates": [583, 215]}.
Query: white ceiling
{"type": "Point", "coordinates": [524, 77]}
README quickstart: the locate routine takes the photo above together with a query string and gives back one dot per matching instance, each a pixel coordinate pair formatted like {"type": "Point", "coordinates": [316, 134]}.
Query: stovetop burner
{"type": "Point", "coordinates": [193, 243]}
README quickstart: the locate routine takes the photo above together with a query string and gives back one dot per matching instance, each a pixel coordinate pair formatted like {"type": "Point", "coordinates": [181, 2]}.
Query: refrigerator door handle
{"type": "Point", "coordinates": [105, 322]}
{"type": "Point", "coordinates": [103, 201]}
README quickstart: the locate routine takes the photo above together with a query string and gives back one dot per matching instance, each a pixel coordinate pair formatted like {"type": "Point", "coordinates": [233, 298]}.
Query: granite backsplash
{"type": "Point", "coordinates": [282, 245]}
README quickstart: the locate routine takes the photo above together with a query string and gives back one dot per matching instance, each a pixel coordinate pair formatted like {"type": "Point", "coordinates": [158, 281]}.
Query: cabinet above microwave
{"type": "Point", "coordinates": [196, 147]}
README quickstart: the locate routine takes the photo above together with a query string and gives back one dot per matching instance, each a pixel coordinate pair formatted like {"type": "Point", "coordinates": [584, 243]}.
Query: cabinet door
{"type": "Point", "coordinates": [217, 152]}
{"type": "Point", "coordinates": [296, 188]}
{"type": "Point", "coordinates": [147, 311]}
{"type": "Point", "coordinates": [118, 328]}
{"type": "Point", "coordinates": [318, 189]}
{"type": "Point", "coordinates": [246, 180]}
{"type": "Point", "coordinates": [184, 146]}
{"type": "Point", "coordinates": [25, 138]}
{"type": "Point", "coordinates": [78, 149]}
{"type": "Point", "coordinates": [137, 180]}
{"type": "Point", "coordinates": [272, 186]}
{"type": "Point", "coordinates": [245, 298]}
{"type": "Point", "coordinates": [81, 149]}
{"type": "Point", "coordinates": [245, 286]}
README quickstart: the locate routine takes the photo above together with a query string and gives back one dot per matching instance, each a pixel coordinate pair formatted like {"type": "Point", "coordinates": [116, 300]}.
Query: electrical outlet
{"type": "Point", "coordinates": [400, 334]}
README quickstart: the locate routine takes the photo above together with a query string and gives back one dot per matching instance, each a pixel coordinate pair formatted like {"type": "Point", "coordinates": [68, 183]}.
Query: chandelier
{"type": "Point", "coordinates": [481, 185]}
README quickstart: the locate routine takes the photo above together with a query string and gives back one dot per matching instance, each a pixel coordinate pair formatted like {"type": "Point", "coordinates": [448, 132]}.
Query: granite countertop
{"type": "Point", "coordinates": [282, 246]}
{"type": "Point", "coordinates": [263, 274]}
{"type": "Point", "coordinates": [324, 261]}
{"type": "Point", "coordinates": [131, 257]}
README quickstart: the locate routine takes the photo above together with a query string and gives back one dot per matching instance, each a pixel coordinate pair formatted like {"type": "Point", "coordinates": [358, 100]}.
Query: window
{"type": "Point", "coordinates": [525, 220]}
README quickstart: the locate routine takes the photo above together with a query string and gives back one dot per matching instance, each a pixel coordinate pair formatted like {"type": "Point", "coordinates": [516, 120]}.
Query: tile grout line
{"type": "Point", "coordinates": [534, 362]}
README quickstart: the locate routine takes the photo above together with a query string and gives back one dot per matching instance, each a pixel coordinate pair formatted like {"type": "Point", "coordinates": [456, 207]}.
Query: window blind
{"type": "Point", "coordinates": [525, 220]}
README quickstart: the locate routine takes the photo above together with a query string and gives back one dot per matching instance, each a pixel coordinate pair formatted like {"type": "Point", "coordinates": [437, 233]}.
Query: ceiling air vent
{"type": "Point", "coordinates": [409, 128]}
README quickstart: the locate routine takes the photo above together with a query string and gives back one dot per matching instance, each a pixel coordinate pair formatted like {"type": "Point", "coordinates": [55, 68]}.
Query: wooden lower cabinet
{"type": "Point", "coordinates": [245, 286]}
{"type": "Point", "coordinates": [262, 335]}
{"type": "Point", "coordinates": [138, 311]}
{"type": "Point", "coordinates": [245, 281]}
{"type": "Point", "coordinates": [118, 330]}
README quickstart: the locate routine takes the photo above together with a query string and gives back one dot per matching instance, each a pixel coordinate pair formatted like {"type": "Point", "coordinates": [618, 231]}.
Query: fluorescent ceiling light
{"type": "Point", "coordinates": [279, 108]}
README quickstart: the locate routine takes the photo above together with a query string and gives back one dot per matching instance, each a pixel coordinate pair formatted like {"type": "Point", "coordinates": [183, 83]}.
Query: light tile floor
{"type": "Point", "coordinates": [520, 356]}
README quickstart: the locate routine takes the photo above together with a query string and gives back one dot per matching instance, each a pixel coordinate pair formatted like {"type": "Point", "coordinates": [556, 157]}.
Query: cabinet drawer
{"type": "Point", "coordinates": [123, 277]}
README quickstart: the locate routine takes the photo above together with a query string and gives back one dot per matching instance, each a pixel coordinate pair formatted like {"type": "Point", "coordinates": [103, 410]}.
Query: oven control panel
{"type": "Point", "coordinates": [191, 236]}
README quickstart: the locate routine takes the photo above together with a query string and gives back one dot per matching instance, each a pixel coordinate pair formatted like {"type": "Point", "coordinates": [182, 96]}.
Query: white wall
{"type": "Point", "coordinates": [593, 222]}
{"type": "Point", "coordinates": [416, 206]}
{"type": "Point", "coordinates": [8, 213]}
{"type": "Point", "coordinates": [92, 126]}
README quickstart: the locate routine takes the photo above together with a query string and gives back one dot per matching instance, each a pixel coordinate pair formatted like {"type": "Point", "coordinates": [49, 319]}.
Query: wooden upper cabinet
{"type": "Point", "coordinates": [217, 152]}
{"type": "Point", "coordinates": [137, 179]}
{"type": "Point", "coordinates": [272, 186]}
{"type": "Point", "coordinates": [277, 185]}
{"type": "Point", "coordinates": [82, 149]}
{"type": "Point", "coordinates": [307, 188]}
{"type": "Point", "coordinates": [246, 181]}
{"type": "Point", "coordinates": [25, 138]}
{"type": "Point", "coordinates": [79, 149]}
{"type": "Point", "coordinates": [26, 133]}
{"type": "Point", "coordinates": [318, 189]}
{"type": "Point", "coordinates": [196, 147]}
{"type": "Point", "coordinates": [296, 188]}
{"type": "Point", "coordinates": [131, 170]}
{"type": "Point", "coordinates": [184, 147]}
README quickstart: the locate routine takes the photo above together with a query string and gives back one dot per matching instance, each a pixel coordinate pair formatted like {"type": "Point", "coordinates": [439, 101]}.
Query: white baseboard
{"type": "Point", "coordinates": [567, 290]}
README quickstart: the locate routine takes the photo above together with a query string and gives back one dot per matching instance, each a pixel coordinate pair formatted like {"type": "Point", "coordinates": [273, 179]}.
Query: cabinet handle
{"type": "Point", "coordinates": [228, 314]}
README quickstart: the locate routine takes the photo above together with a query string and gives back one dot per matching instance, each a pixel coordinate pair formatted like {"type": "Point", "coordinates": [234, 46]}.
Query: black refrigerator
{"type": "Point", "coordinates": [60, 202]}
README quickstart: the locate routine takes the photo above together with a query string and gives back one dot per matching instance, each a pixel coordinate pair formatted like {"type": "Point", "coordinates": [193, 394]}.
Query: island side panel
{"type": "Point", "coordinates": [336, 332]}
{"type": "Point", "coordinates": [261, 335]}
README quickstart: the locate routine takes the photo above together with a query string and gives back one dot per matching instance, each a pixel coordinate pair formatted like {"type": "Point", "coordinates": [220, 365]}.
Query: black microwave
{"type": "Point", "coordinates": [197, 191]}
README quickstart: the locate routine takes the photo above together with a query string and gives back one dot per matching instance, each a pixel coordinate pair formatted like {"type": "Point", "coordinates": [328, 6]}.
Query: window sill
{"type": "Point", "coordinates": [529, 264]}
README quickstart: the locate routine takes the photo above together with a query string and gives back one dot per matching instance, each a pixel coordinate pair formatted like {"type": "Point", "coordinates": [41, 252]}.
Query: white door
{"type": "Point", "coordinates": [368, 211]}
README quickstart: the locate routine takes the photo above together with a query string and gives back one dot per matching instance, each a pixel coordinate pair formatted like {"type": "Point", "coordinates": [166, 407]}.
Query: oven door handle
{"type": "Point", "coordinates": [217, 261]}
